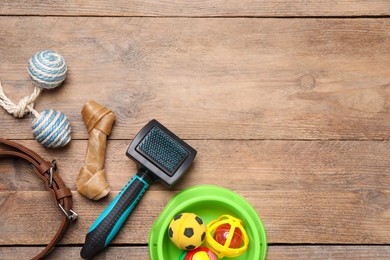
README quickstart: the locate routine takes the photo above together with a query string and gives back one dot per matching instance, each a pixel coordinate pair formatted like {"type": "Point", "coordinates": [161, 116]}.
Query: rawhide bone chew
{"type": "Point", "coordinates": [91, 181]}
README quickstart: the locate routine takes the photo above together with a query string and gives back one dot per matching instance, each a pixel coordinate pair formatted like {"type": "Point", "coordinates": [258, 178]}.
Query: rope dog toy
{"type": "Point", "coordinates": [51, 128]}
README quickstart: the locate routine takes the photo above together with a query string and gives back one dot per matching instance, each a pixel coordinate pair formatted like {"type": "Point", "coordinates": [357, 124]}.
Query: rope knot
{"type": "Point", "coordinates": [24, 106]}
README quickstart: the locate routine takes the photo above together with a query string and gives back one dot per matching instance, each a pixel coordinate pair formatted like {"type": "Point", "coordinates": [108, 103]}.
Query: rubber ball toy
{"type": "Point", "coordinates": [226, 236]}
{"type": "Point", "coordinates": [222, 232]}
{"type": "Point", "coordinates": [201, 253]}
{"type": "Point", "coordinates": [187, 231]}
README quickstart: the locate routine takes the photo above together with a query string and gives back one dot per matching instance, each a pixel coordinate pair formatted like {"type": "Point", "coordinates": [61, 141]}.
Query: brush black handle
{"type": "Point", "coordinates": [111, 220]}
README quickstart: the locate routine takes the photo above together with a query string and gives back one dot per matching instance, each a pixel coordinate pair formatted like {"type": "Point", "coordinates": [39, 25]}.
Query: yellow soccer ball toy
{"type": "Point", "coordinates": [187, 231]}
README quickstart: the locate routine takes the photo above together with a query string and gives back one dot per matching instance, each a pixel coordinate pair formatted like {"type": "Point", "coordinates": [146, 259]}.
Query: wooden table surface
{"type": "Point", "coordinates": [287, 103]}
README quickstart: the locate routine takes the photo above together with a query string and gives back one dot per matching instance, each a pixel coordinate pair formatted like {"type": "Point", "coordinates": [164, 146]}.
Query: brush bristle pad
{"type": "Point", "coordinates": [162, 150]}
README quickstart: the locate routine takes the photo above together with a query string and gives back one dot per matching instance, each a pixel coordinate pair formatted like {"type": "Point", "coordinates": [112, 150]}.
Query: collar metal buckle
{"type": "Point", "coordinates": [70, 217]}
{"type": "Point", "coordinates": [53, 167]}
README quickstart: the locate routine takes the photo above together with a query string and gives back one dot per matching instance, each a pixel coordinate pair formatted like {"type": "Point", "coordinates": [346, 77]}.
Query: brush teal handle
{"type": "Point", "coordinates": [111, 220]}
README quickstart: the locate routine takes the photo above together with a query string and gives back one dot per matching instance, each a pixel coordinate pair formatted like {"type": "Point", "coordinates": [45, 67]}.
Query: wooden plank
{"type": "Point", "coordinates": [328, 252]}
{"type": "Point", "coordinates": [274, 252]}
{"type": "Point", "coordinates": [228, 8]}
{"type": "Point", "coordinates": [305, 166]}
{"type": "Point", "coordinates": [210, 78]}
{"type": "Point", "coordinates": [128, 253]}
{"type": "Point", "coordinates": [324, 217]}
{"type": "Point", "coordinates": [305, 191]}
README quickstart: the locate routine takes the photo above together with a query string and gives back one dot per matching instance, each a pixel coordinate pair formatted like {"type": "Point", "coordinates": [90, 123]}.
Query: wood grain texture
{"type": "Point", "coordinates": [359, 217]}
{"type": "Point", "coordinates": [305, 191]}
{"type": "Point", "coordinates": [229, 8]}
{"type": "Point", "coordinates": [274, 252]}
{"type": "Point", "coordinates": [210, 78]}
{"type": "Point", "coordinates": [239, 165]}
{"type": "Point", "coordinates": [112, 252]}
{"type": "Point", "coordinates": [287, 103]}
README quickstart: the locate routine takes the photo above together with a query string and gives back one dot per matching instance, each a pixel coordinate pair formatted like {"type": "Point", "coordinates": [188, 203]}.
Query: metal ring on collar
{"type": "Point", "coordinates": [47, 171]}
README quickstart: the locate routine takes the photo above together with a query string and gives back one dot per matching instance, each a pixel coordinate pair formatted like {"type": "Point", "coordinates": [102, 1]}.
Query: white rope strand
{"type": "Point", "coordinates": [24, 106]}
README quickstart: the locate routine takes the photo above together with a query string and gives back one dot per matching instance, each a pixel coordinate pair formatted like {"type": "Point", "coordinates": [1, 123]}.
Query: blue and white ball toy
{"type": "Point", "coordinates": [51, 128]}
{"type": "Point", "coordinates": [47, 69]}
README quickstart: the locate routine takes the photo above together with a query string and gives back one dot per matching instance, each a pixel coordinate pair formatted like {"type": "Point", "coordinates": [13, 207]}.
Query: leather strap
{"type": "Point", "coordinates": [61, 195]}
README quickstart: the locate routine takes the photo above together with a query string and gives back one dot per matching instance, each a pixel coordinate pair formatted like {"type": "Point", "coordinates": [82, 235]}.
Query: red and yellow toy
{"type": "Point", "coordinates": [226, 236]}
{"type": "Point", "coordinates": [222, 232]}
{"type": "Point", "coordinates": [201, 253]}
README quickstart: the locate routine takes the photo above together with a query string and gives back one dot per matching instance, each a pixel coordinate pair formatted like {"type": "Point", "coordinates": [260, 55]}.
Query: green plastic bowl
{"type": "Point", "coordinates": [209, 203]}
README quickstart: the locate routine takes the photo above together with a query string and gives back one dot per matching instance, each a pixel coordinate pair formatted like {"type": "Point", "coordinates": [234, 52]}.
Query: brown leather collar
{"type": "Point", "coordinates": [62, 195]}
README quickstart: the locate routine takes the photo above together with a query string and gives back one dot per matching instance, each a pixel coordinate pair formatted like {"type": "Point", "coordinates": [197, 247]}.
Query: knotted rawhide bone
{"type": "Point", "coordinates": [91, 181]}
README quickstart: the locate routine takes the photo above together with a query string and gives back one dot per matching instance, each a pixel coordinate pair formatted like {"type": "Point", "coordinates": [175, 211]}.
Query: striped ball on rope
{"type": "Point", "coordinates": [47, 69]}
{"type": "Point", "coordinates": [52, 129]}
